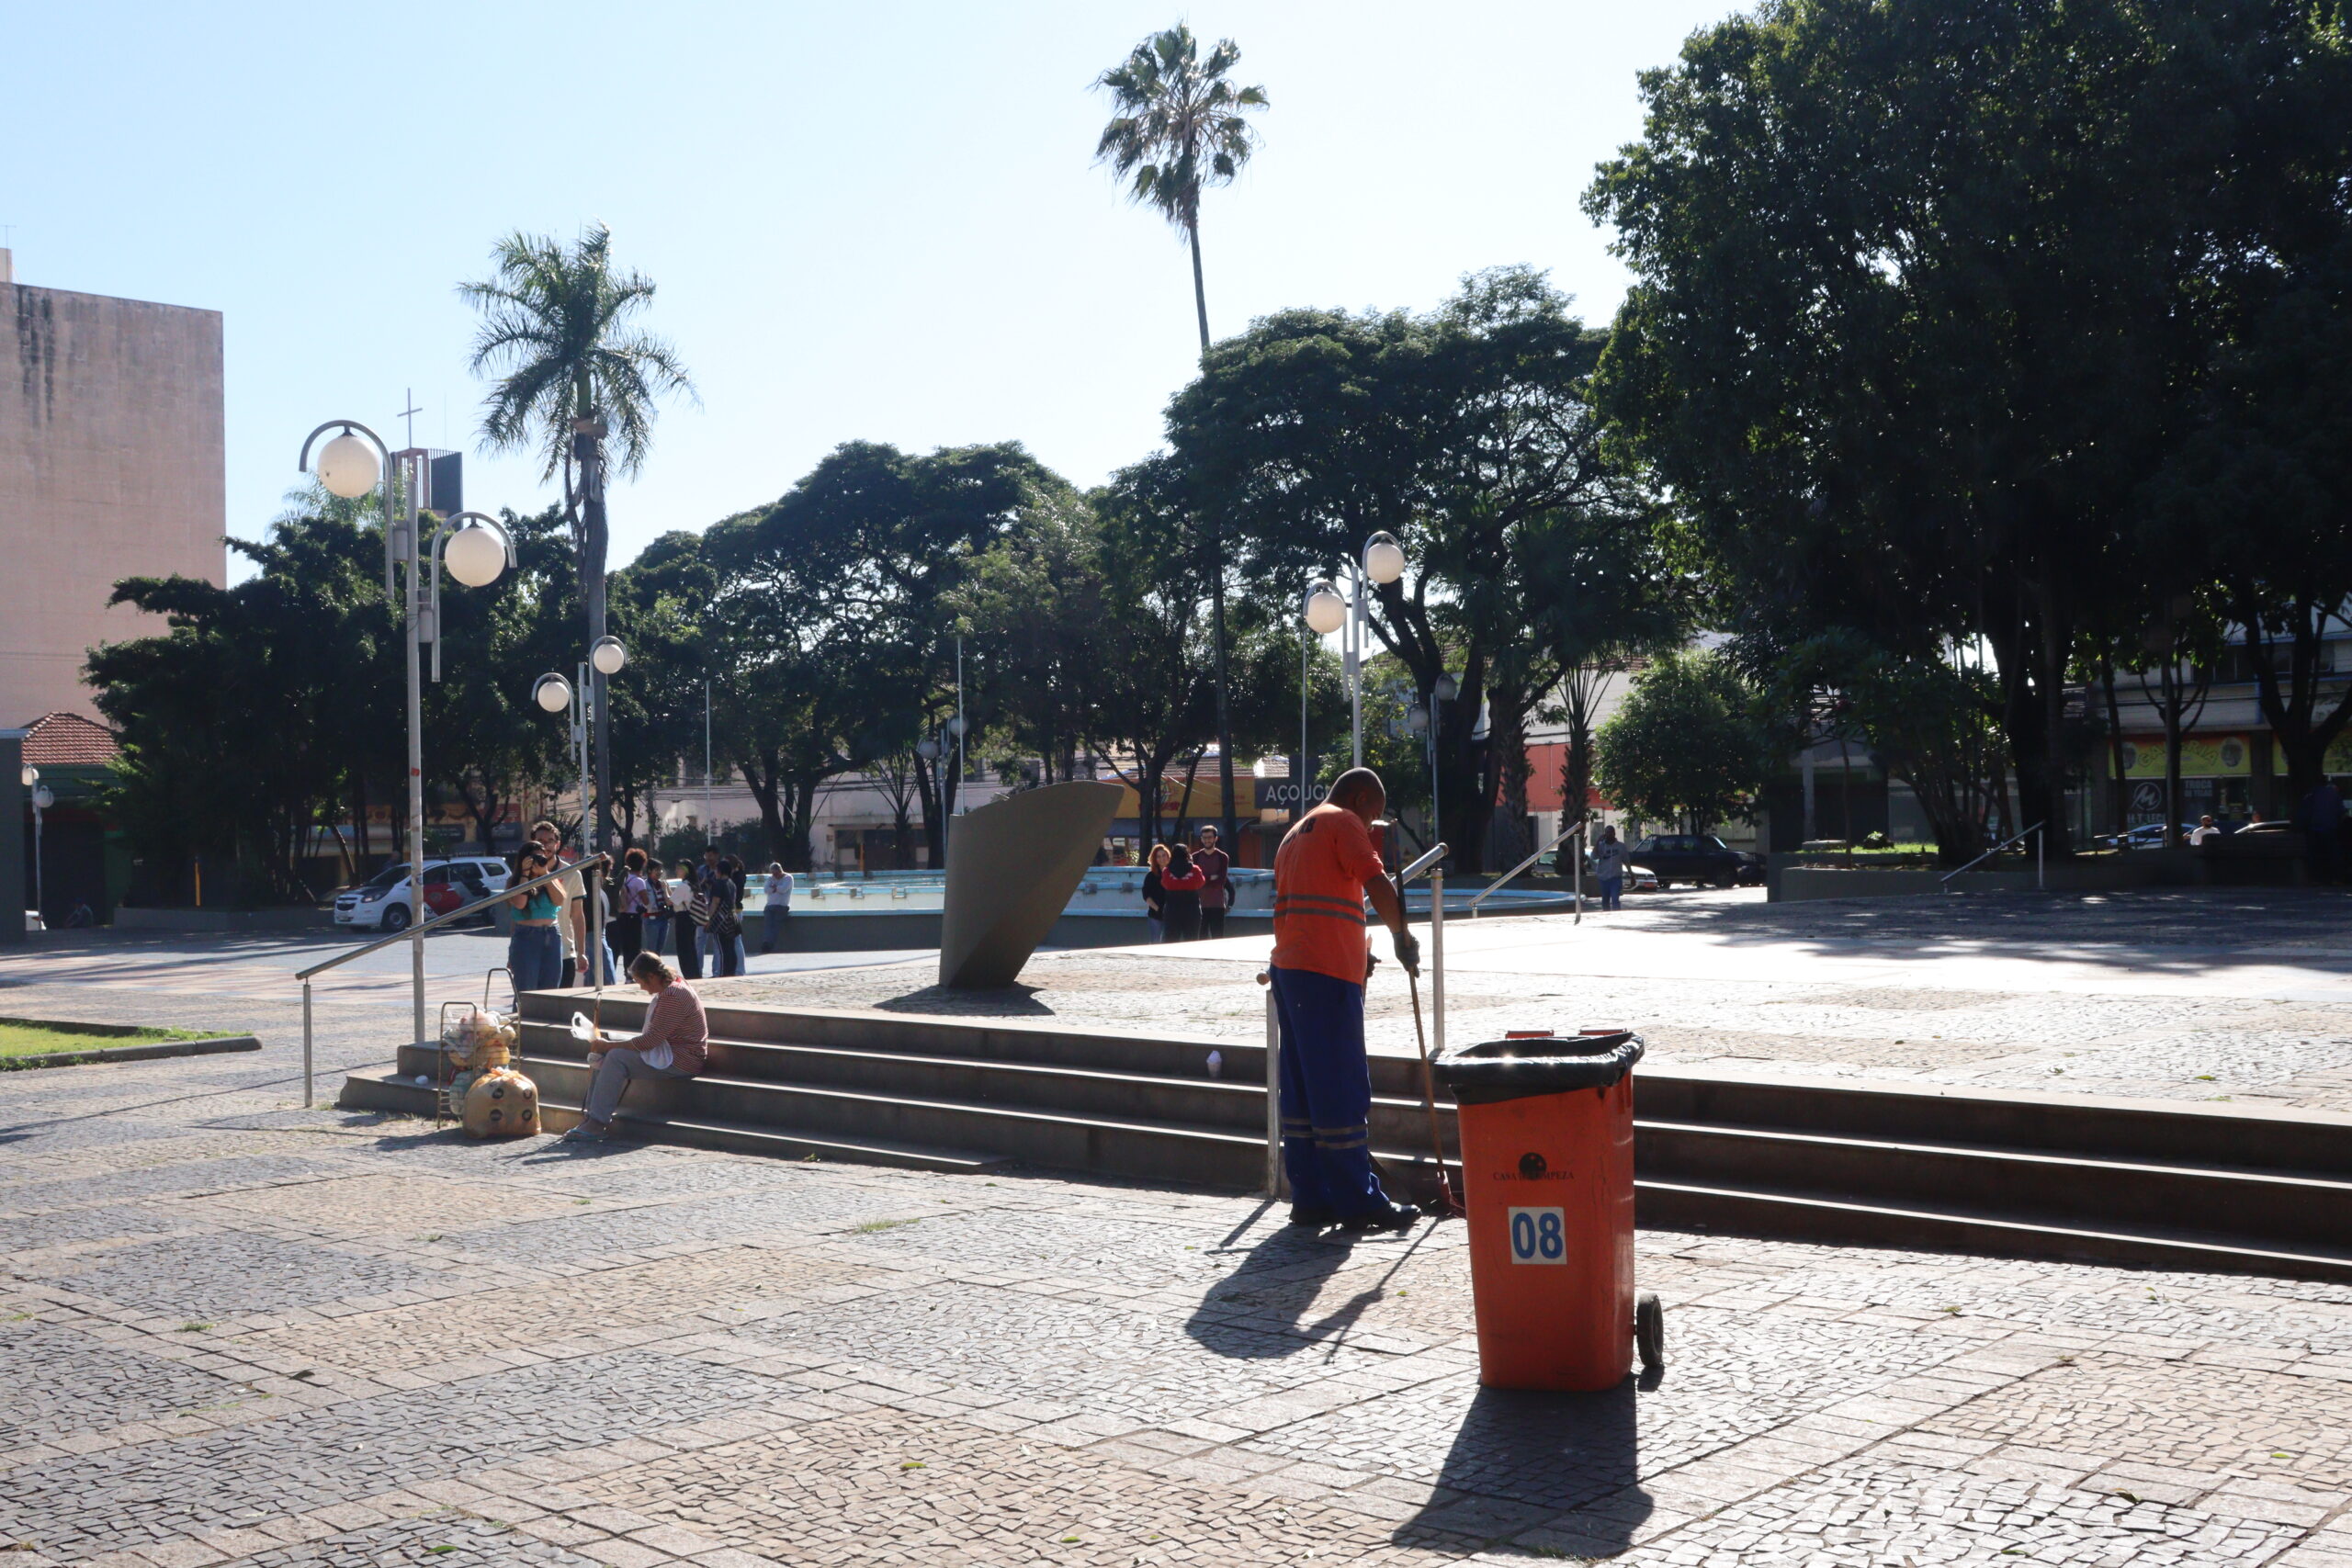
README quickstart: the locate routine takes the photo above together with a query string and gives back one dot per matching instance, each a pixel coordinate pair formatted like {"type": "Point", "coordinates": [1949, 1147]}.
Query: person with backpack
{"type": "Point", "coordinates": [1179, 892]}
{"type": "Point", "coordinates": [690, 918]}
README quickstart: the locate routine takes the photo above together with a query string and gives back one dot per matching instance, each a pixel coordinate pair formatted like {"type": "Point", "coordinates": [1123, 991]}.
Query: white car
{"type": "Point", "coordinates": [383, 902]}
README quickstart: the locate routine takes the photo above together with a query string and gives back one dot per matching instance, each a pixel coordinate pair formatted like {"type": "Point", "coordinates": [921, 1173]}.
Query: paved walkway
{"type": "Point", "coordinates": [234, 1332]}
{"type": "Point", "coordinates": [2193, 995]}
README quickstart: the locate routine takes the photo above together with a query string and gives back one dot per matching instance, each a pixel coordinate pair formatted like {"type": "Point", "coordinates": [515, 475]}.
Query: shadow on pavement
{"type": "Point", "coordinates": [1557, 1470]}
{"type": "Point", "coordinates": [1259, 1311]}
{"type": "Point", "coordinates": [2163, 928]}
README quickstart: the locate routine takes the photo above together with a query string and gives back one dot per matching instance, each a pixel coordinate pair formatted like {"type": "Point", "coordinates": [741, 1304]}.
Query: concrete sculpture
{"type": "Point", "coordinates": [1011, 867]}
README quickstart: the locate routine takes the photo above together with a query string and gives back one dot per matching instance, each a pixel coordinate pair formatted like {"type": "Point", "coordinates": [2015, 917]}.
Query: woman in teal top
{"type": "Point", "coordinates": [535, 952]}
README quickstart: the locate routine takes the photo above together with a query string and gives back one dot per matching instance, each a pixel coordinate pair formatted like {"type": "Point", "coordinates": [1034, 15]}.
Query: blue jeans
{"type": "Point", "coordinates": [1326, 1095]}
{"type": "Point", "coordinates": [1612, 889]}
{"type": "Point", "coordinates": [772, 921]}
{"type": "Point", "coordinates": [535, 954]}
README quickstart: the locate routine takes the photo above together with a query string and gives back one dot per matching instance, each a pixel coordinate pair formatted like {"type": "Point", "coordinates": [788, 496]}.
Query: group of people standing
{"type": "Point", "coordinates": [554, 926]}
{"type": "Point", "coordinates": [1188, 889]}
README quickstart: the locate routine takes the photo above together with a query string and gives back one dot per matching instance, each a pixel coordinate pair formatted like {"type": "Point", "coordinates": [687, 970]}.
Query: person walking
{"type": "Point", "coordinates": [2322, 820]}
{"type": "Point", "coordinates": [1609, 867]}
{"type": "Point", "coordinates": [738, 876]}
{"type": "Point", "coordinates": [1180, 882]}
{"type": "Point", "coordinates": [1155, 895]}
{"type": "Point", "coordinates": [1326, 867]}
{"type": "Point", "coordinates": [535, 948]}
{"type": "Point", "coordinates": [724, 929]}
{"type": "Point", "coordinates": [674, 1043]}
{"type": "Point", "coordinates": [627, 933]}
{"type": "Point", "coordinates": [779, 906]}
{"type": "Point", "coordinates": [687, 920]}
{"type": "Point", "coordinates": [657, 908]}
{"type": "Point", "coordinates": [1216, 895]}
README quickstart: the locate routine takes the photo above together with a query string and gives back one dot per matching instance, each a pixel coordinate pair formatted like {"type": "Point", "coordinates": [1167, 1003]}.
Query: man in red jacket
{"type": "Point", "coordinates": [1327, 865]}
{"type": "Point", "coordinates": [1216, 895]}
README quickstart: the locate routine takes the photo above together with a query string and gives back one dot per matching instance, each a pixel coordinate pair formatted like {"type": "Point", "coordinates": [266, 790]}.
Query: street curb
{"type": "Point", "coordinates": [131, 1053]}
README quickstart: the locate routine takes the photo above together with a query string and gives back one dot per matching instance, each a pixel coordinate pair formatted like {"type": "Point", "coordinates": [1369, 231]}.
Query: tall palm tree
{"type": "Point", "coordinates": [573, 374]}
{"type": "Point", "coordinates": [1178, 129]}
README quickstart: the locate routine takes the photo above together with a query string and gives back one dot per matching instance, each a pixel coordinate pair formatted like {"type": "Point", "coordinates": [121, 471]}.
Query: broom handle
{"type": "Point", "coordinates": [1428, 1084]}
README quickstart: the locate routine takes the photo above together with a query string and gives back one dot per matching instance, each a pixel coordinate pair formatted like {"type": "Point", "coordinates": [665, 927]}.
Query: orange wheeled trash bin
{"type": "Point", "coordinates": [1547, 1174]}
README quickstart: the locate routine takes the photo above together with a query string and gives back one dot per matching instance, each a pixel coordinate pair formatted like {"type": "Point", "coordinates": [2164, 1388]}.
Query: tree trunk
{"type": "Point", "coordinates": [593, 541]}
{"type": "Point", "coordinates": [2115, 744]}
{"type": "Point", "coordinates": [2302, 733]}
{"type": "Point", "coordinates": [1230, 828]}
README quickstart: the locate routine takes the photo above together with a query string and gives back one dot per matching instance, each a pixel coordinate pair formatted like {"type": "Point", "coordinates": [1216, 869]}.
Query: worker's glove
{"type": "Point", "coordinates": [1409, 953]}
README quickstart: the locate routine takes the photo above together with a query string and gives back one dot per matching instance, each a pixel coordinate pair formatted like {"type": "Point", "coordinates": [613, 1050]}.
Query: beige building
{"type": "Point", "coordinates": [110, 466]}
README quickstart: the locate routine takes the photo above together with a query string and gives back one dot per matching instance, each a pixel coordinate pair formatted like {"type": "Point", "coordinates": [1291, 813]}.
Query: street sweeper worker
{"type": "Point", "coordinates": [1327, 865]}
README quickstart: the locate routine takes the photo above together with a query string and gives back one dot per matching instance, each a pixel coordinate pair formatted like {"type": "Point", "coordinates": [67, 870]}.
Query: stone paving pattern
{"type": "Point", "coordinates": [2121, 1036]}
{"type": "Point", "coordinates": [235, 1333]}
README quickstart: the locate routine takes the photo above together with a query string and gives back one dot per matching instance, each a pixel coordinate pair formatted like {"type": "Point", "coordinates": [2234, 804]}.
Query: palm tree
{"type": "Point", "coordinates": [1178, 129]}
{"type": "Point", "coordinates": [575, 374]}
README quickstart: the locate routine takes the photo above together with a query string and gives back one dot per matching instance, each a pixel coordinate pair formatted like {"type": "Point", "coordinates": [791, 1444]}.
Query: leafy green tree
{"type": "Point", "coordinates": [830, 607]}
{"type": "Point", "coordinates": [2259, 498]}
{"type": "Point", "coordinates": [1178, 128]}
{"type": "Point", "coordinates": [1465, 430]}
{"type": "Point", "coordinates": [249, 719]}
{"type": "Point", "coordinates": [1924, 295]}
{"type": "Point", "coordinates": [557, 321]}
{"type": "Point", "coordinates": [1687, 745]}
{"type": "Point", "coordinates": [1928, 721]}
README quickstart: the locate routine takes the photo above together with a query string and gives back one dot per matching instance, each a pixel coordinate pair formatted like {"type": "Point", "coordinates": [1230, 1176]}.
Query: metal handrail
{"type": "Point", "coordinates": [2016, 838]}
{"type": "Point", "coordinates": [1550, 845]}
{"type": "Point", "coordinates": [1436, 852]}
{"type": "Point", "coordinates": [412, 933]}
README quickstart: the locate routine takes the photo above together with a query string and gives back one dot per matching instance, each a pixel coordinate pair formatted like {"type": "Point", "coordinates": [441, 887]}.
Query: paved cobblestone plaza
{"type": "Point", "coordinates": [235, 1332]}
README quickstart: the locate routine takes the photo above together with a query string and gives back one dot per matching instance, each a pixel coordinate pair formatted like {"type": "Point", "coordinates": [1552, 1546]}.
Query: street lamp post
{"type": "Point", "coordinates": [43, 797]}
{"type": "Point", "coordinates": [354, 462]}
{"type": "Point", "coordinates": [554, 693]}
{"type": "Point", "coordinates": [1380, 563]}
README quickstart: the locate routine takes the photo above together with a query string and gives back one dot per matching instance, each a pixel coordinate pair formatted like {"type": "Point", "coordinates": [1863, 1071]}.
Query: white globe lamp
{"type": "Point", "coordinates": [347, 465]}
{"type": "Point", "coordinates": [553, 693]}
{"type": "Point", "coordinates": [607, 655]}
{"type": "Point", "coordinates": [1384, 558]}
{"type": "Point", "coordinates": [1446, 689]}
{"type": "Point", "coordinates": [1325, 611]}
{"type": "Point", "coordinates": [475, 555]}
{"type": "Point", "coordinates": [1417, 718]}
{"type": "Point", "coordinates": [43, 797]}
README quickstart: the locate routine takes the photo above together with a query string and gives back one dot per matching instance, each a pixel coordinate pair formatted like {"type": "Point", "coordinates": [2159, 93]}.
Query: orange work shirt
{"type": "Point", "coordinates": [1320, 874]}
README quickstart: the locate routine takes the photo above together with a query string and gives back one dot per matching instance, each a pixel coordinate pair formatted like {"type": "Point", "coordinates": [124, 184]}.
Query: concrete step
{"type": "Point", "coordinates": [1201, 1101]}
{"type": "Point", "coordinates": [2259, 1207]}
{"type": "Point", "coordinates": [1677, 1206]}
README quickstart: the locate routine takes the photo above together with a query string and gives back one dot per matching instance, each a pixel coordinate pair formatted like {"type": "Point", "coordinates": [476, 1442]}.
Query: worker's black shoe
{"type": "Point", "coordinates": [1395, 1217]}
{"type": "Point", "coordinates": [1314, 1219]}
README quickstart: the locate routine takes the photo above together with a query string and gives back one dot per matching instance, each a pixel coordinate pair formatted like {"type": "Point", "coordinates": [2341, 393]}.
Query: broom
{"type": "Point", "coordinates": [1428, 1098]}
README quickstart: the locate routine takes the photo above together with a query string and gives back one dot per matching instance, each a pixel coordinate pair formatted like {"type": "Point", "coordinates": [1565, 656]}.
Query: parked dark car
{"type": "Point", "coordinates": [1699, 859]}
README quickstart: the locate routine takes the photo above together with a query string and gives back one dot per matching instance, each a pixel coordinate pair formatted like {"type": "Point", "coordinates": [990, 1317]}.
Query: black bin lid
{"type": "Point", "coordinates": [1553, 1064]}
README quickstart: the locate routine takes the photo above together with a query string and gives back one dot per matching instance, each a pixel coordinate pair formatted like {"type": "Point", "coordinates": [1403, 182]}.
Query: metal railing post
{"type": "Point", "coordinates": [307, 1096]}
{"type": "Point", "coordinates": [2032, 832]}
{"type": "Point", "coordinates": [2040, 853]}
{"type": "Point", "coordinates": [1436, 958]}
{"type": "Point", "coordinates": [1273, 1090]}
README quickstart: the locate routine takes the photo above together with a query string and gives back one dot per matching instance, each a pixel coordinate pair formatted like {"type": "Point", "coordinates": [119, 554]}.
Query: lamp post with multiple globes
{"type": "Point", "coordinates": [43, 797]}
{"type": "Point", "coordinates": [1381, 562]}
{"type": "Point", "coordinates": [555, 692]}
{"type": "Point", "coordinates": [476, 550]}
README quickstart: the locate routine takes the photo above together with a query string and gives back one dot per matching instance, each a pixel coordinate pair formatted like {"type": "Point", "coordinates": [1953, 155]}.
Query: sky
{"type": "Point", "coordinates": [876, 223]}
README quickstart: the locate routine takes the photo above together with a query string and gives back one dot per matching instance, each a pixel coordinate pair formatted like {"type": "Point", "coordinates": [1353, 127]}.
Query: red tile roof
{"type": "Point", "coordinates": [68, 741]}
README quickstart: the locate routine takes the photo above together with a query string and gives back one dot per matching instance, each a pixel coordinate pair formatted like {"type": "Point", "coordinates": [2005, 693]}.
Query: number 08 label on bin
{"type": "Point", "coordinates": [1538, 1235]}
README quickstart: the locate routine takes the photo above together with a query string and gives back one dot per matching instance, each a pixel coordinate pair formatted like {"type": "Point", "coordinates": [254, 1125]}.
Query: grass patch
{"type": "Point", "coordinates": [870, 1227]}
{"type": "Point", "coordinates": [35, 1037]}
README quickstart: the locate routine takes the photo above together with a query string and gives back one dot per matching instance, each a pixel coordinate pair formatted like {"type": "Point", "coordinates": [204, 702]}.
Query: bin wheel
{"type": "Point", "coordinates": [1649, 1330]}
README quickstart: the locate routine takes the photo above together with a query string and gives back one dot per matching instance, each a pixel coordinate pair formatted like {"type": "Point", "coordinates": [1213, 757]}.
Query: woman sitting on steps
{"type": "Point", "coordinates": [674, 1043]}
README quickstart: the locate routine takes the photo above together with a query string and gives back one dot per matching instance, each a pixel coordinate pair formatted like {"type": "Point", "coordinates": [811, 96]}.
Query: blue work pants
{"type": "Point", "coordinates": [1326, 1095]}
